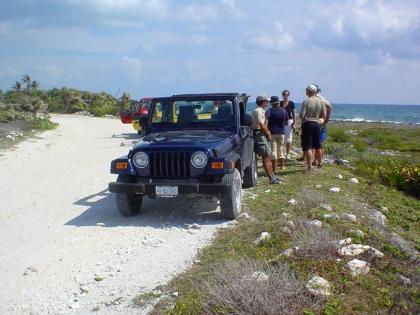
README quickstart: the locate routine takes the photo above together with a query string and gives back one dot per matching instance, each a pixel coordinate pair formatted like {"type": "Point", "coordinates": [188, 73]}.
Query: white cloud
{"type": "Point", "coordinates": [151, 8]}
{"type": "Point", "coordinates": [276, 39]}
{"type": "Point", "coordinates": [50, 70]}
{"type": "Point", "coordinates": [132, 67]}
{"type": "Point", "coordinates": [197, 13]}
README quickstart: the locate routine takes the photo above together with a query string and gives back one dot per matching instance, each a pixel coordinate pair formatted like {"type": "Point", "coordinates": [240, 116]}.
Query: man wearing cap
{"type": "Point", "coordinates": [312, 114]}
{"type": "Point", "coordinates": [277, 119]}
{"type": "Point", "coordinates": [262, 136]}
{"type": "Point", "coordinates": [328, 109]}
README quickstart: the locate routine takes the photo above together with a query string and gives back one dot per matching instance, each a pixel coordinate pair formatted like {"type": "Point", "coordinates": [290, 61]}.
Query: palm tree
{"type": "Point", "coordinates": [17, 86]}
{"type": "Point", "coordinates": [28, 81]}
{"type": "Point", "coordinates": [35, 85]}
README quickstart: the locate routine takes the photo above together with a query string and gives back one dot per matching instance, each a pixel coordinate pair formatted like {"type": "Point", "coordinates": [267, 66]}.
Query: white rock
{"type": "Point", "coordinates": [293, 202]}
{"type": "Point", "coordinates": [319, 286]}
{"type": "Point", "coordinates": [243, 216]}
{"type": "Point", "coordinates": [357, 249]}
{"type": "Point", "coordinates": [375, 253]}
{"type": "Point", "coordinates": [358, 267]}
{"type": "Point", "coordinates": [290, 251]}
{"type": "Point", "coordinates": [353, 250]}
{"type": "Point", "coordinates": [100, 224]}
{"type": "Point", "coordinates": [348, 217]}
{"type": "Point", "coordinates": [259, 276]}
{"type": "Point", "coordinates": [405, 280]}
{"type": "Point", "coordinates": [291, 224]}
{"type": "Point", "coordinates": [316, 223]}
{"type": "Point", "coordinates": [318, 186]}
{"type": "Point", "coordinates": [263, 236]}
{"type": "Point", "coordinates": [346, 241]}
{"type": "Point", "coordinates": [268, 190]}
{"type": "Point", "coordinates": [284, 214]}
{"type": "Point", "coordinates": [84, 289]}
{"type": "Point", "coordinates": [327, 207]}
{"type": "Point", "coordinates": [379, 218]}
{"type": "Point", "coordinates": [335, 189]}
{"type": "Point", "coordinates": [354, 180]}
{"type": "Point", "coordinates": [339, 176]}
{"type": "Point", "coordinates": [175, 294]}
{"type": "Point", "coordinates": [384, 210]}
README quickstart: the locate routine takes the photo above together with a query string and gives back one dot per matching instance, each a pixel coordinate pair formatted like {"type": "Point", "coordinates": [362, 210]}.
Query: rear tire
{"type": "Point", "coordinates": [251, 173]}
{"type": "Point", "coordinates": [128, 204]}
{"type": "Point", "coordinates": [230, 202]}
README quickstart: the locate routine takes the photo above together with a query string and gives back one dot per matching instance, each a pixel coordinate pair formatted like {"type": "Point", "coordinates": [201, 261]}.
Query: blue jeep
{"type": "Point", "coordinates": [193, 143]}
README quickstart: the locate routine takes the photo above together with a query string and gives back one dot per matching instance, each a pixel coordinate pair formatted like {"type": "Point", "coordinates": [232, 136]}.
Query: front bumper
{"type": "Point", "coordinates": [183, 188]}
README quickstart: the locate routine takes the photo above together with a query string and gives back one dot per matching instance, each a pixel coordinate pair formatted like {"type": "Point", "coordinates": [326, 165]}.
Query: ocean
{"type": "Point", "coordinates": [397, 114]}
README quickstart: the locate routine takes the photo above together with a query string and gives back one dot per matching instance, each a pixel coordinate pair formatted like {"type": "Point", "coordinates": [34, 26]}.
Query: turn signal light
{"type": "Point", "coordinates": [122, 165]}
{"type": "Point", "coordinates": [217, 165]}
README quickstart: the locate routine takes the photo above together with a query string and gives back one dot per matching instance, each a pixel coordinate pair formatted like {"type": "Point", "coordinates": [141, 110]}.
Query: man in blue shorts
{"type": "Point", "coordinates": [328, 110]}
{"type": "Point", "coordinates": [312, 114]}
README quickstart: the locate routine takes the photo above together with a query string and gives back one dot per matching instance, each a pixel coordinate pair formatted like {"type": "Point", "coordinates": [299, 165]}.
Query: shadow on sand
{"type": "Point", "coordinates": [173, 212]}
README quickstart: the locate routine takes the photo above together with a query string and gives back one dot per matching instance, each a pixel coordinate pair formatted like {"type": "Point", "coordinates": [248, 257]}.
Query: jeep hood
{"type": "Point", "coordinates": [206, 139]}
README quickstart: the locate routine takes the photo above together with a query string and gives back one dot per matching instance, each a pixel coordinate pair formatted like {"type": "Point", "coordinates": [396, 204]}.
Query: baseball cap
{"type": "Point", "coordinates": [262, 97]}
{"type": "Point", "coordinates": [274, 100]}
{"type": "Point", "coordinates": [311, 88]}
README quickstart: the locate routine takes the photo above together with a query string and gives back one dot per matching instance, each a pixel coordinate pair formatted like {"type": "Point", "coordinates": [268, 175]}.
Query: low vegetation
{"type": "Point", "coordinates": [26, 107]}
{"type": "Point", "coordinates": [236, 275]}
{"type": "Point", "coordinates": [386, 153]}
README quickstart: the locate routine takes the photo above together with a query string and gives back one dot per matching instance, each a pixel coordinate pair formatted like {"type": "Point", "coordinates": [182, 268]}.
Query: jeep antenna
{"type": "Point", "coordinates": [118, 92]}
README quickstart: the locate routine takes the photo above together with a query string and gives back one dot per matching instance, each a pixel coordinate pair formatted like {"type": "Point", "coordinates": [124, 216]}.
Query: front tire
{"type": "Point", "coordinates": [251, 173]}
{"type": "Point", "coordinates": [230, 202]}
{"type": "Point", "coordinates": [128, 204]}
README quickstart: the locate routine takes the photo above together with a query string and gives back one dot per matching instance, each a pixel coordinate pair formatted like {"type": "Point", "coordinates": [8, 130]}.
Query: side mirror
{"type": "Point", "coordinates": [247, 120]}
{"type": "Point", "coordinates": [144, 121]}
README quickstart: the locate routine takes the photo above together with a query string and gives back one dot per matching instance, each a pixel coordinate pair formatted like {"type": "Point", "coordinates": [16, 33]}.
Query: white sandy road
{"type": "Point", "coordinates": [53, 193]}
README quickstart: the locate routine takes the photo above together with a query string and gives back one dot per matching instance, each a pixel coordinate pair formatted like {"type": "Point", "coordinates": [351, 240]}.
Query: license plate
{"type": "Point", "coordinates": [167, 191]}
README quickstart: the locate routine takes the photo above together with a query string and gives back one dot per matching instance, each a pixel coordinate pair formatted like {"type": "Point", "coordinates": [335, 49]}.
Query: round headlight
{"type": "Point", "coordinates": [141, 159]}
{"type": "Point", "coordinates": [199, 159]}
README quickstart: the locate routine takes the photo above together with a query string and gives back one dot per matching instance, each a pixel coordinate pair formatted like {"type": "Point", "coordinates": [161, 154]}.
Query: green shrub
{"type": "Point", "coordinates": [41, 124]}
{"type": "Point", "coordinates": [359, 144]}
{"type": "Point", "coordinates": [338, 135]}
{"type": "Point", "coordinates": [392, 172]}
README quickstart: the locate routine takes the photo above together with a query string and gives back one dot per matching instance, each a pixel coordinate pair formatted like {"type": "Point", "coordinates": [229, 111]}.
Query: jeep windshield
{"type": "Point", "coordinates": [193, 113]}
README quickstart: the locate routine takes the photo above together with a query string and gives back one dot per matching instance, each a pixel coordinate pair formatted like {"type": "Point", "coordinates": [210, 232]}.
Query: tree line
{"type": "Point", "coordinates": [26, 95]}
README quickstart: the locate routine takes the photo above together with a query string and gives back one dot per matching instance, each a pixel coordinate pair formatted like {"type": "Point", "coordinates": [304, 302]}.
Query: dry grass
{"type": "Point", "coordinates": [235, 288]}
{"type": "Point", "coordinates": [310, 199]}
{"type": "Point", "coordinates": [316, 242]}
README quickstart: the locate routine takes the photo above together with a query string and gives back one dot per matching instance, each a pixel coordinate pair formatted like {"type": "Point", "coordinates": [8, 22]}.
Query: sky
{"type": "Point", "coordinates": [360, 51]}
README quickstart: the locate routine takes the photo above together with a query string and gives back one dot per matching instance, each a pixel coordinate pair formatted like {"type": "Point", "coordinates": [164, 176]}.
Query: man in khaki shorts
{"type": "Point", "coordinates": [262, 136]}
{"type": "Point", "coordinates": [277, 119]}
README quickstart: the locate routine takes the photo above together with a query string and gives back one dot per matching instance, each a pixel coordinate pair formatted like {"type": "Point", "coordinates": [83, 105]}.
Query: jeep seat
{"type": "Point", "coordinates": [224, 113]}
{"type": "Point", "coordinates": [186, 115]}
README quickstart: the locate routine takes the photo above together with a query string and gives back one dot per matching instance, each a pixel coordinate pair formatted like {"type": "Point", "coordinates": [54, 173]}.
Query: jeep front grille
{"type": "Point", "coordinates": [170, 164]}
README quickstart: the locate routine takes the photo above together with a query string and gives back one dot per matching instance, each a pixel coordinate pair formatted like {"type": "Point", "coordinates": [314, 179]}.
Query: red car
{"type": "Point", "coordinates": [138, 109]}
